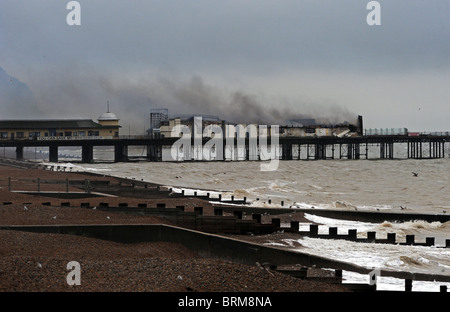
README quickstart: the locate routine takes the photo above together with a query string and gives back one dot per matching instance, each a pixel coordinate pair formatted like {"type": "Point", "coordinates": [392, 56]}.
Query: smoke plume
{"type": "Point", "coordinates": [84, 94]}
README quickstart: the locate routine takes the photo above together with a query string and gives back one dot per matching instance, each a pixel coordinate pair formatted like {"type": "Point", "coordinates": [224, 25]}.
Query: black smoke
{"type": "Point", "coordinates": [85, 94]}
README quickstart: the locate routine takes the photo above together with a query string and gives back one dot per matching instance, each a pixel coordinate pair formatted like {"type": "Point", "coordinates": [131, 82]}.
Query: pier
{"type": "Point", "coordinates": [288, 148]}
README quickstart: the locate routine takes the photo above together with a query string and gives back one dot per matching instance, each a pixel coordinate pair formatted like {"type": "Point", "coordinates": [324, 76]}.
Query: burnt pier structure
{"type": "Point", "coordinates": [288, 148]}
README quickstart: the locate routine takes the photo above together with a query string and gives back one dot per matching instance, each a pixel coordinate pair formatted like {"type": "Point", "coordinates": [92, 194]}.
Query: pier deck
{"type": "Point", "coordinates": [290, 148]}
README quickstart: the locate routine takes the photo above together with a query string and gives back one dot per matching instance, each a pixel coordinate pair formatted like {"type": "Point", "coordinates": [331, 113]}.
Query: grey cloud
{"type": "Point", "coordinates": [75, 70]}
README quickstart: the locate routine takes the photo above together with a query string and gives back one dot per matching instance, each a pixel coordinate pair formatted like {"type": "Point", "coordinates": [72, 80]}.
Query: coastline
{"type": "Point", "coordinates": [36, 261]}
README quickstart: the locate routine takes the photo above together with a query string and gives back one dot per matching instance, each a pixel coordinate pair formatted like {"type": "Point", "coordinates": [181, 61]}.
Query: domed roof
{"type": "Point", "coordinates": [107, 116]}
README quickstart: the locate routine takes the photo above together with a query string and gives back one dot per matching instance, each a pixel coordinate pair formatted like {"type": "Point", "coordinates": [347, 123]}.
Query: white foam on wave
{"type": "Point", "coordinates": [307, 206]}
{"type": "Point", "coordinates": [82, 168]}
{"type": "Point", "coordinates": [420, 228]}
{"type": "Point", "coordinates": [388, 283]}
{"type": "Point", "coordinates": [418, 259]}
{"type": "Point", "coordinates": [413, 226]}
{"type": "Point", "coordinates": [342, 225]}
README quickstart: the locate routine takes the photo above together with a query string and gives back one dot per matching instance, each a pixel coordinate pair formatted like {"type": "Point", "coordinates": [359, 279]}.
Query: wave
{"type": "Point", "coordinates": [339, 204]}
{"type": "Point", "coordinates": [316, 187]}
{"type": "Point", "coordinates": [76, 168]}
{"type": "Point", "coordinates": [384, 256]}
{"type": "Point", "coordinates": [413, 227]}
{"type": "Point", "coordinates": [420, 261]}
{"type": "Point", "coordinates": [342, 225]}
{"type": "Point", "coordinates": [240, 193]}
{"type": "Point", "coordinates": [408, 262]}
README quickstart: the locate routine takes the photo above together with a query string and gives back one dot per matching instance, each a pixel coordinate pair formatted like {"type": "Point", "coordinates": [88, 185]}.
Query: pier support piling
{"type": "Point", "coordinates": [19, 152]}
{"type": "Point", "coordinates": [53, 153]}
{"type": "Point", "coordinates": [87, 154]}
{"type": "Point", "coordinates": [120, 153]}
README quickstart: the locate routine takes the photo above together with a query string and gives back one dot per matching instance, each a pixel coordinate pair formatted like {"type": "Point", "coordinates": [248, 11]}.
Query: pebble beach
{"type": "Point", "coordinates": [37, 262]}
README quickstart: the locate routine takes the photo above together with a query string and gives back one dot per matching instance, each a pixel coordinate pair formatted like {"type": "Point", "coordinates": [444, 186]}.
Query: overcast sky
{"type": "Point", "coordinates": [236, 59]}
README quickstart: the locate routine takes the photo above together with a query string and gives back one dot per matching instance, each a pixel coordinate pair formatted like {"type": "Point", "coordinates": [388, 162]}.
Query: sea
{"type": "Point", "coordinates": [390, 185]}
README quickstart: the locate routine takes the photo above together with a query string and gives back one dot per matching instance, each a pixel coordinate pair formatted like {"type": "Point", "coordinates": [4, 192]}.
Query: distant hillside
{"type": "Point", "coordinates": [16, 99]}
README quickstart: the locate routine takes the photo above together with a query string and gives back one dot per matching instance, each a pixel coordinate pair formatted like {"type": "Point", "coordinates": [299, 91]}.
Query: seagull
{"type": "Point", "coordinates": [54, 217]}
{"type": "Point", "coordinates": [25, 208]}
{"type": "Point", "coordinates": [402, 208]}
{"type": "Point", "coordinates": [415, 174]}
{"type": "Point", "coordinates": [94, 208]}
{"type": "Point", "coordinates": [107, 217]}
{"type": "Point", "coordinates": [39, 265]}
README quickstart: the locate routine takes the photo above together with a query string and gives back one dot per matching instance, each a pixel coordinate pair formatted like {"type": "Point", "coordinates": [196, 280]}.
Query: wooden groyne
{"type": "Point", "coordinates": [220, 247]}
{"type": "Point", "coordinates": [237, 224]}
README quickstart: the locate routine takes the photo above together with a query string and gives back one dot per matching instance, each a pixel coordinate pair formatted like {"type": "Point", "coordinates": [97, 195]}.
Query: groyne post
{"type": "Point", "coordinates": [87, 186]}
{"type": "Point", "coordinates": [410, 239]}
{"type": "Point", "coordinates": [256, 217]}
{"type": "Point", "coordinates": [352, 234]}
{"type": "Point", "coordinates": [276, 222]}
{"type": "Point", "coordinates": [332, 232]}
{"type": "Point", "coordinates": [198, 210]}
{"type": "Point", "coordinates": [429, 241]}
{"type": "Point", "coordinates": [391, 238]}
{"type": "Point", "coordinates": [408, 285]}
{"type": "Point", "coordinates": [371, 236]}
{"type": "Point", "coordinates": [313, 230]}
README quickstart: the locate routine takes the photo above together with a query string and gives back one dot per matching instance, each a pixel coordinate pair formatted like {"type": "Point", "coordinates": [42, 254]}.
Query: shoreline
{"type": "Point", "coordinates": [260, 239]}
{"type": "Point", "coordinates": [21, 252]}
